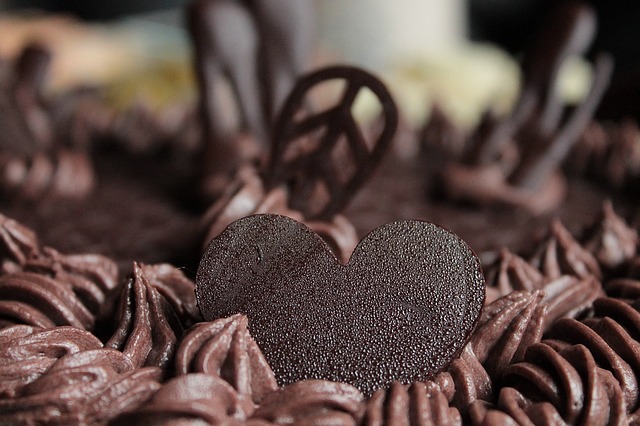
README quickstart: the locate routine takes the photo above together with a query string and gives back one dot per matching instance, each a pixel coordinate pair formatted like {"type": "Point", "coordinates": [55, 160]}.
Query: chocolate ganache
{"type": "Point", "coordinates": [107, 212]}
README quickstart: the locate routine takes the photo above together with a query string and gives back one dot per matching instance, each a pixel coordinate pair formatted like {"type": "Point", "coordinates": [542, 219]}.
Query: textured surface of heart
{"type": "Point", "coordinates": [401, 309]}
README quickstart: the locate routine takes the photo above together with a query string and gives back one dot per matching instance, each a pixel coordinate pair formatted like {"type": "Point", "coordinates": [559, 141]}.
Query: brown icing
{"type": "Point", "coordinates": [148, 329]}
{"type": "Point", "coordinates": [64, 376]}
{"type": "Point", "coordinates": [224, 348]}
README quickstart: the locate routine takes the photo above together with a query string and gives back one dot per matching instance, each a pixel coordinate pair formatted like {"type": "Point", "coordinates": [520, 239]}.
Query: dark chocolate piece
{"type": "Point", "coordinates": [518, 161]}
{"type": "Point", "coordinates": [400, 310]}
{"type": "Point", "coordinates": [326, 157]}
{"type": "Point", "coordinates": [258, 48]}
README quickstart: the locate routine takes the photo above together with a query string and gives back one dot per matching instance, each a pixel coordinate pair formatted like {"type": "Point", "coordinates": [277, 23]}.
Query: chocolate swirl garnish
{"type": "Point", "coordinates": [560, 254]}
{"type": "Point", "coordinates": [418, 404]}
{"type": "Point", "coordinates": [27, 352]}
{"type": "Point", "coordinates": [148, 328]}
{"type": "Point", "coordinates": [317, 162]}
{"type": "Point", "coordinates": [45, 288]}
{"type": "Point", "coordinates": [260, 51]}
{"type": "Point", "coordinates": [507, 328]}
{"type": "Point", "coordinates": [32, 164]}
{"type": "Point", "coordinates": [518, 161]}
{"type": "Point", "coordinates": [192, 398]}
{"type": "Point", "coordinates": [17, 244]}
{"type": "Point", "coordinates": [323, 171]}
{"type": "Point", "coordinates": [224, 348]}
{"type": "Point", "coordinates": [312, 402]}
{"type": "Point", "coordinates": [514, 409]}
{"type": "Point", "coordinates": [88, 387]}
{"type": "Point", "coordinates": [611, 240]}
{"type": "Point", "coordinates": [563, 295]}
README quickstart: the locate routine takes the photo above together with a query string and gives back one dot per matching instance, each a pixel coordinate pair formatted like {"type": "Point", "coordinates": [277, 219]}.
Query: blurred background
{"type": "Point", "coordinates": [461, 53]}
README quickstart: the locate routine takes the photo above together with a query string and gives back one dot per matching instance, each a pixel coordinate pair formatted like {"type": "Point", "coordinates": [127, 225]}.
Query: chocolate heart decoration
{"type": "Point", "coordinates": [328, 154]}
{"type": "Point", "coordinates": [400, 310]}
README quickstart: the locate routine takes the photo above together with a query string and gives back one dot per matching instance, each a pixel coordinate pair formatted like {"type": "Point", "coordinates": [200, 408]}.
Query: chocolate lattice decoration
{"type": "Point", "coordinates": [324, 158]}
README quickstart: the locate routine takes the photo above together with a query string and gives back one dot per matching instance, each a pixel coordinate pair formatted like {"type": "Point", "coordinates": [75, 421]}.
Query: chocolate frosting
{"type": "Point", "coordinates": [39, 300]}
{"type": "Point", "coordinates": [571, 381]}
{"type": "Point", "coordinates": [148, 329]}
{"type": "Point", "coordinates": [176, 288]}
{"type": "Point", "coordinates": [418, 404]}
{"type": "Point", "coordinates": [86, 387]}
{"type": "Point", "coordinates": [560, 254]}
{"type": "Point", "coordinates": [224, 348]}
{"type": "Point", "coordinates": [193, 398]}
{"type": "Point", "coordinates": [312, 402]}
{"type": "Point", "coordinates": [611, 240]}
{"type": "Point", "coordinates": [27, 352]}
{"type": "Point", "coordinates": [93, 277]}
{"type": "Point", "coordinates": [48, 288]}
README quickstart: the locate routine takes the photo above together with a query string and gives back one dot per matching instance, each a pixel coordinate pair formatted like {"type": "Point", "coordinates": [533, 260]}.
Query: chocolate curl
{"type": "Point", "coordinates": [287, 46]}
{"type": "Point", "coordinates": [325, 158]}
{"type": "Point", "coordinates": [25, 123]}
{"type": "Point", "coordinates": [569, 32]}
{"type": "Point", "coordinates": [148, 328]}
{"type": "Point", "coordinates": [224, 348]}
{"type": "Point", "coordinates": [226, 45]}
{"type": "Point", "coordinates": [532, 173]}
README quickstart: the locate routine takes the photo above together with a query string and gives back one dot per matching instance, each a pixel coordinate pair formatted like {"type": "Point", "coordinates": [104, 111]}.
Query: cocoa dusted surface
{"type": "Point", "coordinates": [143, 209]}
{"type": "Point", "coordinates": [140, 210]}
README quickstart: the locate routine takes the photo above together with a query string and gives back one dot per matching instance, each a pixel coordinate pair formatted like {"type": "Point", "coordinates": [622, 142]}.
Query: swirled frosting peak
{"type": "Point", "coordinates": [224, 348]}
{"type": "Point", "coordinates": [560, 254]}
{"type": "Point", "coordinates": [611, 240]}
{"type": "Point", "coordinates": [17, 244]}
{"type": "Point", "coordinates": [147, 328]}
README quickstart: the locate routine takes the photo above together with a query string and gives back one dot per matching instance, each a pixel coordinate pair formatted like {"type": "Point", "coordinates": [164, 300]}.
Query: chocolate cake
{"type": "Point", "coordinates": [295, 266]}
